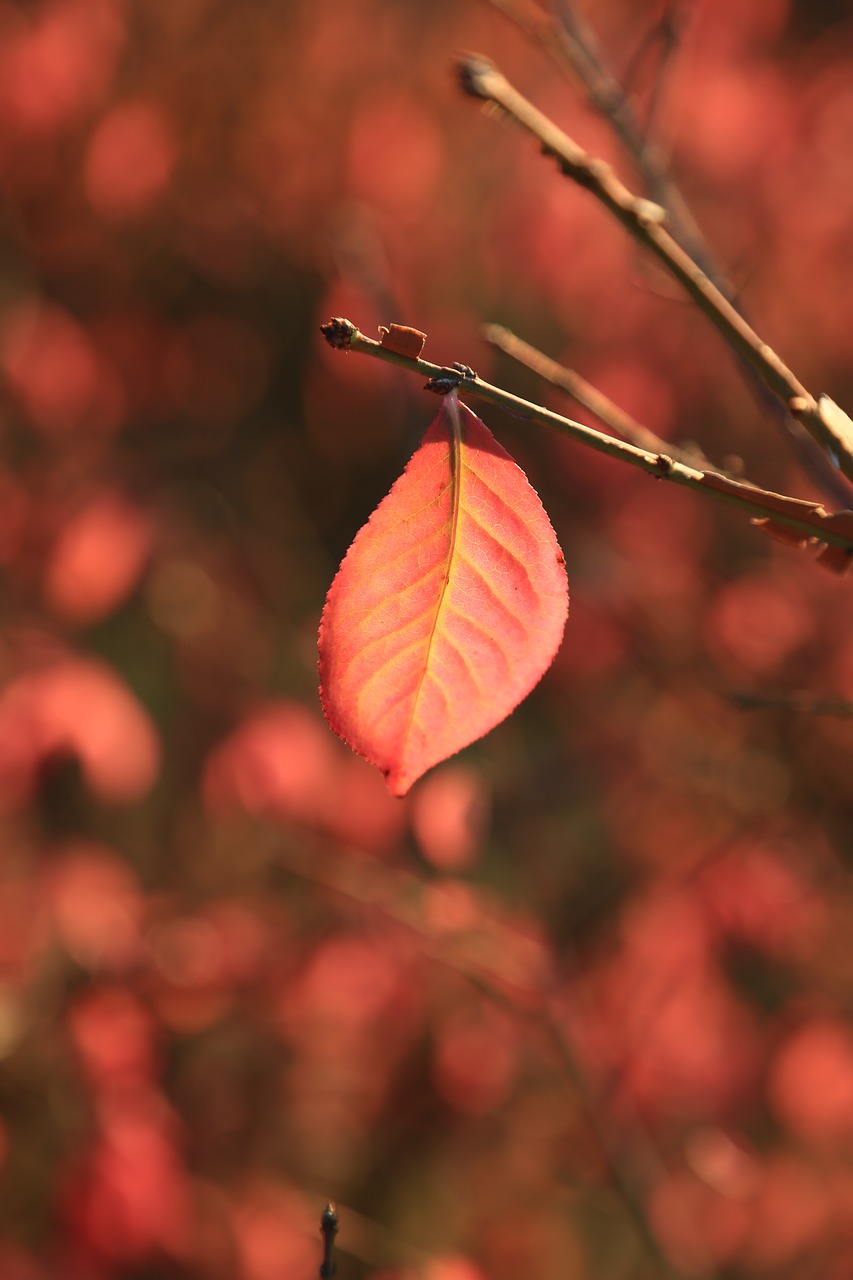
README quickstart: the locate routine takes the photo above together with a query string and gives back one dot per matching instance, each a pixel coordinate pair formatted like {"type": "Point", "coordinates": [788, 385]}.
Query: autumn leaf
{"type": "Point", "coordinates": [448, 608]}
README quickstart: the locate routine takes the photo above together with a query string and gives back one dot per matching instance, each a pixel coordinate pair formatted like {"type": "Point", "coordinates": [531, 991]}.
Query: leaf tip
{"type": "Point", "coordinates": [398, 784]}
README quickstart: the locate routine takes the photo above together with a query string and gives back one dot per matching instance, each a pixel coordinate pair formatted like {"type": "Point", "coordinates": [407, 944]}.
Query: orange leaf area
{"type": "Point", "coordinates": [448, 608]}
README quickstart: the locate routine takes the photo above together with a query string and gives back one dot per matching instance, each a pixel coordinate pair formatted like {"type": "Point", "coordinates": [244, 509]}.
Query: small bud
{"type": "Point", "coordinates": [338, 332]}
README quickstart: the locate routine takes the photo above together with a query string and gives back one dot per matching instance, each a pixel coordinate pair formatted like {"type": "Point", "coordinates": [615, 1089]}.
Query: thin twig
{"type": "Point", "coordinates": [570, 381]}
{"type": "Point", "coordinates": [627, 1177]}
{"type": "Point", "coordinates": [483, 957]}
{"type": "Point", "coordinates": [799, 703]}
{"type": "Point", "coordinates": [575, 47]}
{"type": "Point", "coordinates": [329, 1229]}
{"type": "Point", "coordinates": [644, 221]}
{"type": "Point", "coordinates": [664, 33]}
{"type": "Point", "coordinates": [775, 510]}
{"type": "Point", "coordinates": [571, 42]}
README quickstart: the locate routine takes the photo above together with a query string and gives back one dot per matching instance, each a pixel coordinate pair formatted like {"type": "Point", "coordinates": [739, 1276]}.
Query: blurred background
{"type": "Point", "coordinates": [581, 1004]}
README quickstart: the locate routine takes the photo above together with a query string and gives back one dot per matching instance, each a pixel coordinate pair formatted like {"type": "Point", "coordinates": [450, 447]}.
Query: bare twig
{"type": "Point", "coordinates": [628, 1179]}
{"type": "Point", "coordinates": [483, 956]}
{"type": "Point", "coordinates": [645, 222]}
{"type": "Point", "coordinates": [590, 397]}
{"type": "Point", "coordinates": [329, 1229]}
{"type": "Point", "coordinates": [799, 703]}
{"type": "Point", "coordinates": [777, 512]}
{"type": "Point", "coordinates": [572, 44]}
{"type": "Point", "coordinates": [664, 33]}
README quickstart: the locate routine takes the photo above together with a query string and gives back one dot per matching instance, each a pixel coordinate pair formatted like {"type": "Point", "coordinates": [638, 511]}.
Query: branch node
{"type": "Point", "coordinates": [586, 171]}
{"type": "Point", "coordinates": [443, 383]}
{"type": "Point", "coordinates": [807, 518]}
{"type": "Point", "coordinates": [338, 332]}
{"type": "Point", "coordinates": [649, 214]}
{"type": "Point", "coordinates": [643, 220]}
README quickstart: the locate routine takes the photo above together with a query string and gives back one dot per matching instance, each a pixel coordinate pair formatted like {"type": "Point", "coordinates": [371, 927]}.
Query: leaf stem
{"type": "Point", "coordinates": [644, 220]}
{"type": "Point", "coordinates": [808, 519]}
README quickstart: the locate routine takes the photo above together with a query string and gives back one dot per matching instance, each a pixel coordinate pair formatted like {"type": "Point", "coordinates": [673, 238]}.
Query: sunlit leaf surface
{"type": "Point", "coordinates": [449, 605]}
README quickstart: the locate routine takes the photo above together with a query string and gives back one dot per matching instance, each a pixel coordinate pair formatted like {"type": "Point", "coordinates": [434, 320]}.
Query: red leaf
{"type": "Point", "coordinates": [449, 605]}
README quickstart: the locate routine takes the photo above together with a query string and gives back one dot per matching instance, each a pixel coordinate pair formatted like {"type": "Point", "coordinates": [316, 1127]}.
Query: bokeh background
{"type": "Point", "coordinates": [582, 1004]}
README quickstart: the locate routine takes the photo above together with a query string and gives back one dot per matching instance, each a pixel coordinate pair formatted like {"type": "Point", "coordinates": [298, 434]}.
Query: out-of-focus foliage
{"type": "Point", "coordinates": [591, 979]}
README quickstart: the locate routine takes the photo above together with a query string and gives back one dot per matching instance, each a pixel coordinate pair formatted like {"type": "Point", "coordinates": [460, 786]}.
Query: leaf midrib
{"type": "Point", "coordinates": [451, 405]}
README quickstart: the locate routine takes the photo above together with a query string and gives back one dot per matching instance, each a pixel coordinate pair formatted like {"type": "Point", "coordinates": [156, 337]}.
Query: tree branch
{"type": "Point", "coordinates": [664, 32]}
{"type": "Point", "coordinates": [778, 513]}
{"type": "Point", "coordinates": [645, 220]}
{"type": "Point", "coordinates": [570, 42]}
{"type": "Point", "coordinates": [568, 380]}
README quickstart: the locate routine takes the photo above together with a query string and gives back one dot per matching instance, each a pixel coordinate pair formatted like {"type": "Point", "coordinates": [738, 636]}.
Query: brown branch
{"type": "Point", "coordinates": [644, 220]}
{"type": "Point", "coordinates": [571, 43]}
{"type": "Point", "coordinates": [665, 33]}
{"type": "Point", "coordinates": [570, 381]}
{"type": "Point", "coordinates": [777, 512]}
